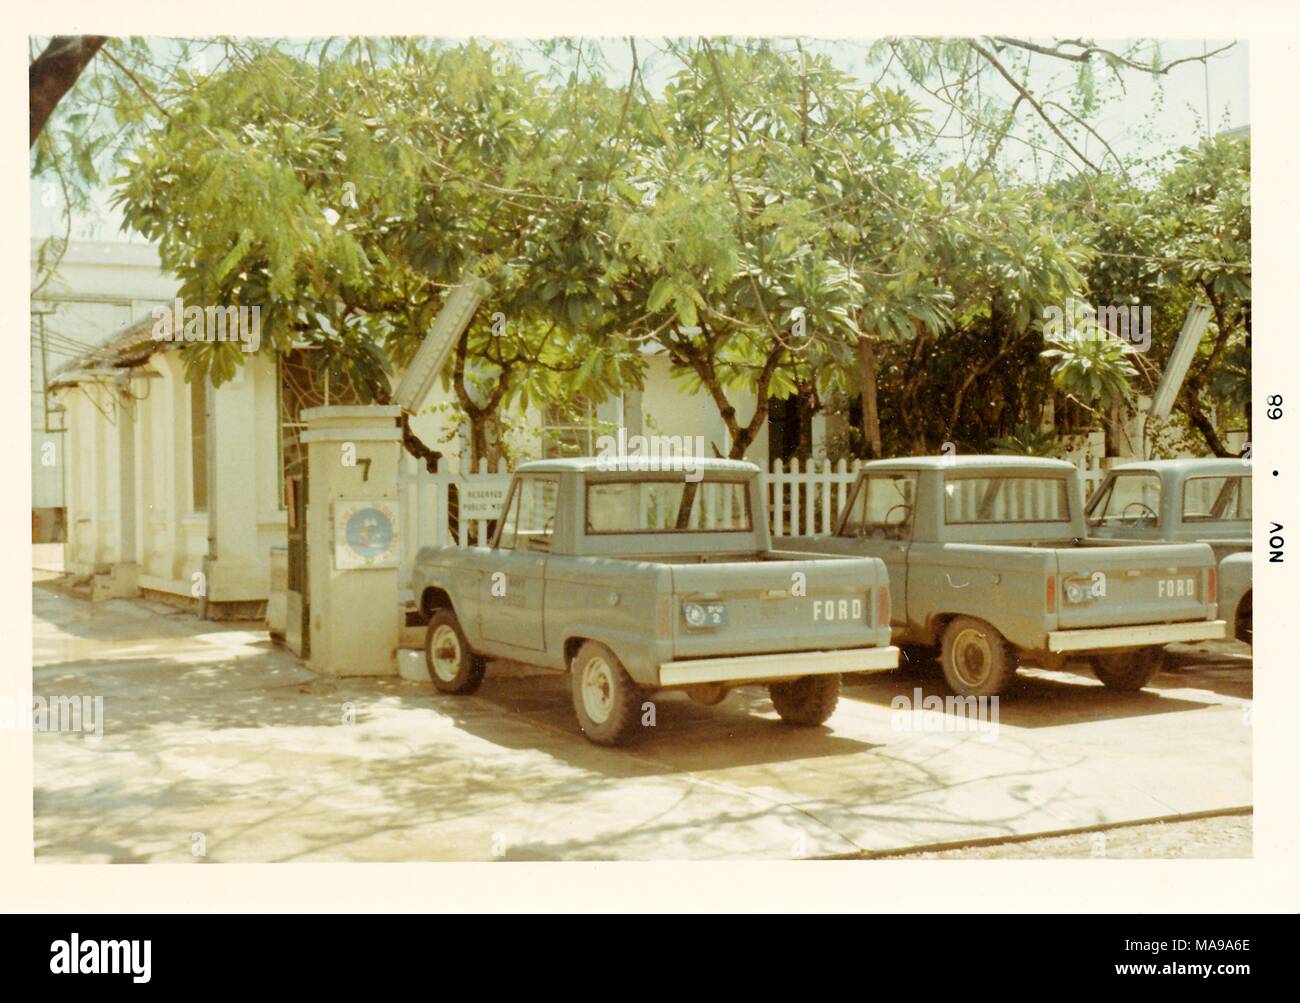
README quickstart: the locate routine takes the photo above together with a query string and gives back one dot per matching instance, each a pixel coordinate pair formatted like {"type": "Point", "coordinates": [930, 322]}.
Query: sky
{"type": "Point", "coordinates": [1194, 93]}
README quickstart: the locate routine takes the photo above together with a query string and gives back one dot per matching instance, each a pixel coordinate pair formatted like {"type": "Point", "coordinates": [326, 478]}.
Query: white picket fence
{"type": "Point", "coordinates": [455, 507]}
{"type": "Point", "coordinates": [449, 507]}
{"type": "Point", "coordinates": [808, 501]}
{"type": "Point", "coordinates": [1091, 472]}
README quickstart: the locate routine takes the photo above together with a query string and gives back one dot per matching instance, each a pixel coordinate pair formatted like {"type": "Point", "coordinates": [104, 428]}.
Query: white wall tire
{"type": "Point", "coordinates": [453, 666]}
{"type": "Point", "coordinates": [605, 699]}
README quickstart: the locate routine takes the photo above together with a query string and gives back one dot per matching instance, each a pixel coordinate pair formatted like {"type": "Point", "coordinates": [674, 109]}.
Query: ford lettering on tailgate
{"type": "Point", "coordinates": [837, 609]}
{"type": "Point", "coordinates": [1176, 588]}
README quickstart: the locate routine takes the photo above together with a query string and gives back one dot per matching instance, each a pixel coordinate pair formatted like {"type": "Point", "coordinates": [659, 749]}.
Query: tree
{"type": "Point", "coordinates": [1179, 235]}
{"type": "Point", "coordinates": [1204, 207]}
{"type": "Point", "coordinates": [754, 241]}
{"type": "Point", "coordinates": [346, 195]}
{"type": "Point", "coordinates": [777, 226]}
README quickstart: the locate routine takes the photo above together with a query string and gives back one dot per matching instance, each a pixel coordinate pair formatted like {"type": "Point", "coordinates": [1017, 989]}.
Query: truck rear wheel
{"type": "Point", "coordinates": [453, 666]}
{"type": "Point", "coordinates": [606, 700]}
{"type": "Point", "coordinates": [807, 701]}
{"type": "Point", "coordinates": [977, 661]}
{"type": "Point", "coordinates": [1127, 671]}
{"type": "Point", "coordinates": [1243, 629]}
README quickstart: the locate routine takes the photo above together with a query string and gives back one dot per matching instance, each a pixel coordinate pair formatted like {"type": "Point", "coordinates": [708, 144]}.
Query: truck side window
{"type": "Point", "coordinates": [530, 518]}
{"type": "Point", "coordinates": [1131, 499]}
{"type": "Point", "coordinates": [881, 507]}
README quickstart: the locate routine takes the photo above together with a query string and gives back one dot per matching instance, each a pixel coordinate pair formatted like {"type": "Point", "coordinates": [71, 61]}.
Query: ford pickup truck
{"type": "Point", "coordinates": [1176, 501]}
{"type": "Point", "coordinates": [638, 581]}
{"type": "Point", "coordinates": [989, 561]}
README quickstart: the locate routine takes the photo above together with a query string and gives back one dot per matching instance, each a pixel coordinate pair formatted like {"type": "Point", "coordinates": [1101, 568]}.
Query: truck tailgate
{"type": "Point", "coordinates": [759, 608]}
{"type": "Point", "coordinates": [1108, 586]}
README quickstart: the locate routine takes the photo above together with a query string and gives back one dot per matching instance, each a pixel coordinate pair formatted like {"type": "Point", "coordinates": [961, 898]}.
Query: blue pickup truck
{"type": "Point", "coordinates": [637, 581]}
{"type": "Point", "coordinates": [990, 561]}
{"type": "Point", "coordinates": [1186, 501]}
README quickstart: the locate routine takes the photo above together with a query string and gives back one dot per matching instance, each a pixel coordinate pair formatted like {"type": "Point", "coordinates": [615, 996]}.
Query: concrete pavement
{"type": "Point", "coordinates": [219, 746]}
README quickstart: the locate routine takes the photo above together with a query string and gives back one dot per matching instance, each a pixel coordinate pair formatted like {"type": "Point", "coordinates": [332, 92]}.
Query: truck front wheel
{"type": "Point", "coordinates": [977, 660]}
{"type": "Point", "coordinates": [807, 701]}
{"type": "Point", "coordinates": [453, 666]}
{"type": "Point", "coordinates": [1127, 671]}
{"type": "Point", "coordinates": [606, 700]}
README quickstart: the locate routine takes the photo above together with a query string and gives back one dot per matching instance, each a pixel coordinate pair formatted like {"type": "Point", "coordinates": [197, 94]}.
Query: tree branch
{"type": "Point", "coordinates": [53, 73]}
{"type": "Point", "coordinates": [1042, 113]}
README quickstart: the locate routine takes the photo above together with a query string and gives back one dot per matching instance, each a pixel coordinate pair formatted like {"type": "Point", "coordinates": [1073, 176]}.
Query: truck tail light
{"type": "Point", "coordinates": [882, 606]}
{"type": "Point", "coordinates": [1051, 593]}
{"type": "Point", "coordinates": [1211, 584]}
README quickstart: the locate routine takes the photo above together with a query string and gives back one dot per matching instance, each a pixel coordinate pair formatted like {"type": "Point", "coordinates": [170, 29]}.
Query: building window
{"type": "Point", "coordinates": [569, 430]}
{"type": "Point", "coordinates": [199, 444]}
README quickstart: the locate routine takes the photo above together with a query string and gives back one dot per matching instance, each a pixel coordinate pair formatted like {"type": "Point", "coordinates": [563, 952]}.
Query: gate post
{"type": "Point", "coordinates": [353, 538]}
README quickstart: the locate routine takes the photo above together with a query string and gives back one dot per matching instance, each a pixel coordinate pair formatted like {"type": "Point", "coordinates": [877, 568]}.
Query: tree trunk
{"type": "Point", "coordinates": [1192, 408]}
{"type": "Point", "coordinates": [52, 74]}
{"type": "Point", "coordinates": [867, 375]}
{"type": "Point", "coordinates": [478, 437]}
{"type": "Point", "coordinates": [743, 436]}
{"type": "Point", "coordinates": [480, 415]}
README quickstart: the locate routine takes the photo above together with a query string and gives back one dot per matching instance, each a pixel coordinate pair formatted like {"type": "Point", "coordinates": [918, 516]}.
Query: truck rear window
{"type": "Point", "coordinates": [1005, 499]}
{"type": "Point", "coordinates": [668, 506]}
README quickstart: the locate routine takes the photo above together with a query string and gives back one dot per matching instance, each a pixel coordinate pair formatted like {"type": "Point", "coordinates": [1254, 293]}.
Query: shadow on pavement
{"type": "Point", "coordinates": [1040, 698]}
{"type": "Point", "coordinates": [741, 731]}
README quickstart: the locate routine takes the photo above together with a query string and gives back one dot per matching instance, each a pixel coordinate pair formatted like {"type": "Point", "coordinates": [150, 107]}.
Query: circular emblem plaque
{"type": "Point", "coordinates": [369, 536]}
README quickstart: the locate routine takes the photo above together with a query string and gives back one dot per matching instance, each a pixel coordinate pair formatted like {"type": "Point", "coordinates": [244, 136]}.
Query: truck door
{"type": "Point", "coordinates": [513, 585]}
{"type": "Point", "coordinates": [879, 516]}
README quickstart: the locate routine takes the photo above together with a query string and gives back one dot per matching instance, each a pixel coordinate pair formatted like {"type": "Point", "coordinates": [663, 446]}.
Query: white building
{"type": "Point", "coordinates": [97, 288]}
{"type": "Point", "coordinates": [177, 489]}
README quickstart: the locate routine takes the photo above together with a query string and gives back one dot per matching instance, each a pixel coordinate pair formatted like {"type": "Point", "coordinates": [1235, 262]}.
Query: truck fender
{"type": "Point", "coordinates": [435, 595]}
{"type": "Point", "coordinates": [1235, 587]}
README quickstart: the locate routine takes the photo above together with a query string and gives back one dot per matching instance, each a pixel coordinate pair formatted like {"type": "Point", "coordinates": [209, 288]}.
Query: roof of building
{"type": "Point", "coordinates": [637, 464]}
{"type": "Point", "coordinates": [973, 461]}
{"type": "Point", "coordinates": [131, 346]}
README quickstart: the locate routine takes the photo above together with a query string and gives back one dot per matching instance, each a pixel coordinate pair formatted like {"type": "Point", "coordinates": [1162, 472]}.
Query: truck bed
{"type": "Point", "coordinates": [1007, 582]}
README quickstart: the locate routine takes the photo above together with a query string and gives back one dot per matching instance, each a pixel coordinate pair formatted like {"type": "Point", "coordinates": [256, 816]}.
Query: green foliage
{"type": "Point", "coordinates": [757, 220]}
{"type": "Point", "coordinates": [1029, 440]}
{"type": "Point", "coordinates": [346, 195]}
{"type": "Point", "coordinates": [1096, 370]}
{"type": "Point", "coordinates": [1180, 237]}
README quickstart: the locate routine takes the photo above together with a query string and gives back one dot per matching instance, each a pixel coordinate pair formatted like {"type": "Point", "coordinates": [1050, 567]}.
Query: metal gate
{"type": "Point", "coordinates": [298, 612]}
